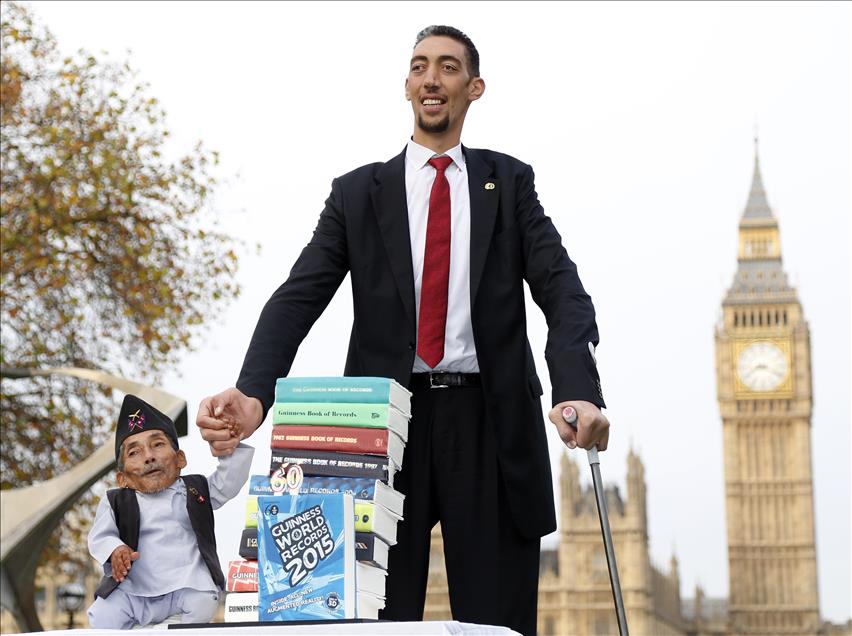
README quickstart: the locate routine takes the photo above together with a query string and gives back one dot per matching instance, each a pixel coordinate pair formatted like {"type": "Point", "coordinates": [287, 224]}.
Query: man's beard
{"type": "Point", "coordinates": [439, 126]}
{"type": "Point", "coordinates": [154, 484]}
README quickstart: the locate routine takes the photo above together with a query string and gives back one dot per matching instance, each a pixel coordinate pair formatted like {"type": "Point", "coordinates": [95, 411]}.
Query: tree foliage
{"type": "Point", "coordinates": [108, 256]}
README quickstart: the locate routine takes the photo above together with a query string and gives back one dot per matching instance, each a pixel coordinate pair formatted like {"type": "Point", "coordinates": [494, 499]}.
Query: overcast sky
{"type": "Point", "coordinates": [638, 119]}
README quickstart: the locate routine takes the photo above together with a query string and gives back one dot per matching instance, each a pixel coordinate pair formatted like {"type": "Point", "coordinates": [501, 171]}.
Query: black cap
{"type": "Point", "coordinates": [137, 416]}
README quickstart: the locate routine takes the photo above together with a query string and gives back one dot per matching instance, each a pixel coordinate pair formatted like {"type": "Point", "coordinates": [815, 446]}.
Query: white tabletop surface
{"type": "Point", "coordinates": [379, 628]}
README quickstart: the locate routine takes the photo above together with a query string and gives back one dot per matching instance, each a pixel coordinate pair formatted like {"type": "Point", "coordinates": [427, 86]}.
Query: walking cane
{"type": "Point", "coordinates": [570, 416]}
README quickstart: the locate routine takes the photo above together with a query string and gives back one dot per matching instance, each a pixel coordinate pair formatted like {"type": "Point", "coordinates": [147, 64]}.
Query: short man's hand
{"type": "Point", "coordinates": [592, 425]}
{"type": "Point", "coordinates": [226, 418]}
{"type": "Point", "coordinates": [120, 560]}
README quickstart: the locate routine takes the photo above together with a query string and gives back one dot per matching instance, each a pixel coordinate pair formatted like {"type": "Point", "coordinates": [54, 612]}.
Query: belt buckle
{"type": "Point", "coordinates": [432, 384]}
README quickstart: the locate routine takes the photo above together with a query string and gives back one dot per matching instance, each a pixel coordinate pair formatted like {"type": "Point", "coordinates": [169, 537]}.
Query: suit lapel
{"type": "Point", "coordinates": [484, 197]}
{"type": "Point", "coordinates": [391, 209]}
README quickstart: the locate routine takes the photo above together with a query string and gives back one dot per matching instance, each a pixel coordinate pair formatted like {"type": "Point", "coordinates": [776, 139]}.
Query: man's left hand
{"type": "Point", "coordinates": [592, 425]}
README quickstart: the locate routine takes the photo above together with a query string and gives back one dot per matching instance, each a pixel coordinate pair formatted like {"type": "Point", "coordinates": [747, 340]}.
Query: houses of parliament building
{"type": "Point", "coordinates": [763, 371]}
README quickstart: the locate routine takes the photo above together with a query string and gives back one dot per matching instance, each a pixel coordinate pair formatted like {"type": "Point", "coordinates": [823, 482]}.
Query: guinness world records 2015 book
{"type": "Point", "coordinates": [306, 553]}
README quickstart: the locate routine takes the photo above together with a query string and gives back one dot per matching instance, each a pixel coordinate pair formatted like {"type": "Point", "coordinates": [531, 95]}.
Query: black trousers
{"type": "Point", "coordinates": [450, 474]}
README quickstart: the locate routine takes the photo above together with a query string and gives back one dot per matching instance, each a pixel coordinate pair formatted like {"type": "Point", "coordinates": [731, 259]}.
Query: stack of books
{"type": "Point", "coordinates": [323, 545]}
{"type": "Point", "coordinates": [241, 582]}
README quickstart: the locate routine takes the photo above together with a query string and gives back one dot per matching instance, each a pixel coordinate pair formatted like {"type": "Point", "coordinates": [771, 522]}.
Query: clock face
{"type": "Point", "coordinates": [762, 366]}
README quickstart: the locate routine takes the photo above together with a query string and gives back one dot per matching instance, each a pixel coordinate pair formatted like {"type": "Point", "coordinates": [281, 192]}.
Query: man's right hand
{"type": "Point", "coordinates": [120, 560]}
{"type": "Point", "coordinates": [592, 425]}
{"type": "Point", "coordinates": [230, 410]}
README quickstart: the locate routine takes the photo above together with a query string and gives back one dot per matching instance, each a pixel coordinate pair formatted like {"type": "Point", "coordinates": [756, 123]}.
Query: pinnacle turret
{"type": "Point", "coordinates": [757, 207]}
{"type": "Point", "coordinates": [759, 268]}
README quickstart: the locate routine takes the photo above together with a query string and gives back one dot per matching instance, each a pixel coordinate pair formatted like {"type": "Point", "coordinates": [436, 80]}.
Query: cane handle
{"type": "Point", "coordinates": [569, 414]}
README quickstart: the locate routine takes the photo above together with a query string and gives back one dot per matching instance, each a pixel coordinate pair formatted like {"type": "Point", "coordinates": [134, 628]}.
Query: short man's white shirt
{"type": "Point", "coordinates": [169, 558]}
{"type": "Point", "coordinates": [459, 349]}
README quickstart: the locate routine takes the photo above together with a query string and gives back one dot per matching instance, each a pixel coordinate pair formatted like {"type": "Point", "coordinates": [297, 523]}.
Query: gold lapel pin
{"type": "Point", "coordinates": [490, 186]}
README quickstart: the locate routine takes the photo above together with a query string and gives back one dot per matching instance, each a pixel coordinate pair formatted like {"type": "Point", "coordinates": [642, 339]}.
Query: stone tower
{"type": "Point", "coordinates": [763, 368]}
{"type": "Point", "coordinates": [577, 599]}
{"type": "Point", "coordinates": [574, 595]}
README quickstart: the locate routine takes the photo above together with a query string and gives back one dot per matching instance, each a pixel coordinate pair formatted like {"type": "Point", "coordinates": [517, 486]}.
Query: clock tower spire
{"type": "Point", "coordinates": [765, 399]}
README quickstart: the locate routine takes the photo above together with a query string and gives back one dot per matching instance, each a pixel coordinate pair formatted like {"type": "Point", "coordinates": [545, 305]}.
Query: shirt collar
{"type": "Point", "coordinates": [176, 487]}
{"type": "Point", "coordinates": [418, 156]}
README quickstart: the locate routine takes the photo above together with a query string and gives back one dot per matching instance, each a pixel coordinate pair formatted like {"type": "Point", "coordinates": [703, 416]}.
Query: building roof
{"type": "Point", "coordinates": [757, 206]}
{"type": "Point", "coordinates": [762, 276]}
{"type": "Point", "coordinates": [712, 609]}
{"type": "Point", "coordinates": [588, 502]}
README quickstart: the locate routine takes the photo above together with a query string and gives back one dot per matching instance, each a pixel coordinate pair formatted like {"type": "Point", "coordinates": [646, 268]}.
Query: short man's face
{"type": "Point", "coordinates": [151, 463]}
{"type": "Point", "coordinates": [439, 84]}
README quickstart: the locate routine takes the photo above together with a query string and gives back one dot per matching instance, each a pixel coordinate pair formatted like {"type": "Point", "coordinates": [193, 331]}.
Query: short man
{"type": "Point", "coordinates": [154, 535]}
{"type": "Point", "coordinates": [438, 242]}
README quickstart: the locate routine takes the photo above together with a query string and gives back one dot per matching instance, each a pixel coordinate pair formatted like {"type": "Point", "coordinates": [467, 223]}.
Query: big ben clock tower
{"type": "Point", "coordinates": [763, 368]}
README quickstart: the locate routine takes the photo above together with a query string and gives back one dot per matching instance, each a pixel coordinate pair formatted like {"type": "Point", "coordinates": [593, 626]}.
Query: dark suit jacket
{"type": "Point", "coordinates": [363, 230]}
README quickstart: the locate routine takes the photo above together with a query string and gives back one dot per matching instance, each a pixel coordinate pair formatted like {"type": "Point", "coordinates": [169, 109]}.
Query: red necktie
{"type": "Point", "coordinates": [436, 269]}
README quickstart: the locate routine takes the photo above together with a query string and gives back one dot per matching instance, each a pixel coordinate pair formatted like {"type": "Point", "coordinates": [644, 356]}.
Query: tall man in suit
{"type": "Point", "coordinates": [438, 242]}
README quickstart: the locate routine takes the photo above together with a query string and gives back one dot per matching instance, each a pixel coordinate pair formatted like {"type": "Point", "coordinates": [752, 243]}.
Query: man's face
{"type": "Point", "coordinates": [151, 463]}
{"type": "Point", "coordinates": [439, 85]}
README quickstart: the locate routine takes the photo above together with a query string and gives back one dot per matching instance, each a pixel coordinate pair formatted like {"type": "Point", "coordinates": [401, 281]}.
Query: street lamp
{"type": "Point", "coordinates": [70, 599]}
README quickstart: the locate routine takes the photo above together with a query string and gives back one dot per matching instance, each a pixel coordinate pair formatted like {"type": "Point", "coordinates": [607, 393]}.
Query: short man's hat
{"type": "Point", "coordinates": [137, 416]}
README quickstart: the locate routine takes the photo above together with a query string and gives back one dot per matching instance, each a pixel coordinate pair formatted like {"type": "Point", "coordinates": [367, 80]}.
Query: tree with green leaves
{"type": "Point", "coordinates": [111, 256]}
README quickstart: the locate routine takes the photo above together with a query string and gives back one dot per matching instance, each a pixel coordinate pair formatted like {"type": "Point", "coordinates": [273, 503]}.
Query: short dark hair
{"type": "Point", "coordinates": [458, 36]}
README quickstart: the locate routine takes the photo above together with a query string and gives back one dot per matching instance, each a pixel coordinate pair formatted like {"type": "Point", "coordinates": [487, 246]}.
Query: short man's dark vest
{"type": "Point", "coordinates": [125, 507]}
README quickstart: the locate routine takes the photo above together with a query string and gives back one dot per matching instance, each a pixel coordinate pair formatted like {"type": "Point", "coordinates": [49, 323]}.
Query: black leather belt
{"type": "Point", "coordinates": [444, 380]}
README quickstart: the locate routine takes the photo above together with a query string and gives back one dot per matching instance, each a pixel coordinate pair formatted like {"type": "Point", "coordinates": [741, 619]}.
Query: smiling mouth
{"type": "Point", "coordinates": [433, 105]}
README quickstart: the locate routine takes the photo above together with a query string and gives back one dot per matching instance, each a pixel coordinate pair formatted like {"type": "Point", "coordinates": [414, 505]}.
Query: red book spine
{"type": "Point", "coordinates": [338, 439]}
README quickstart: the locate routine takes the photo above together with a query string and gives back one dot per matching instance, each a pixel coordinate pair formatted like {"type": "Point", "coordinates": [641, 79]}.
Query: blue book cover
{"type": "Point", "coordinates": [344, 390]}
{"type": "Point", "coordinates": [360, 488]}
{"type": "Point", "coordinates": [306, 557]}
{"type": "Point", "coordinates": [260, 485]}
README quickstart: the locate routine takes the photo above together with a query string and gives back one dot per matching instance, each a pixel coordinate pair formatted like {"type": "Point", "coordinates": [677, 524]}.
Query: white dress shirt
{"type": "Point", "coordinates": [169, 558]}
{"type": "Point", "coordinates": [459, 350]}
